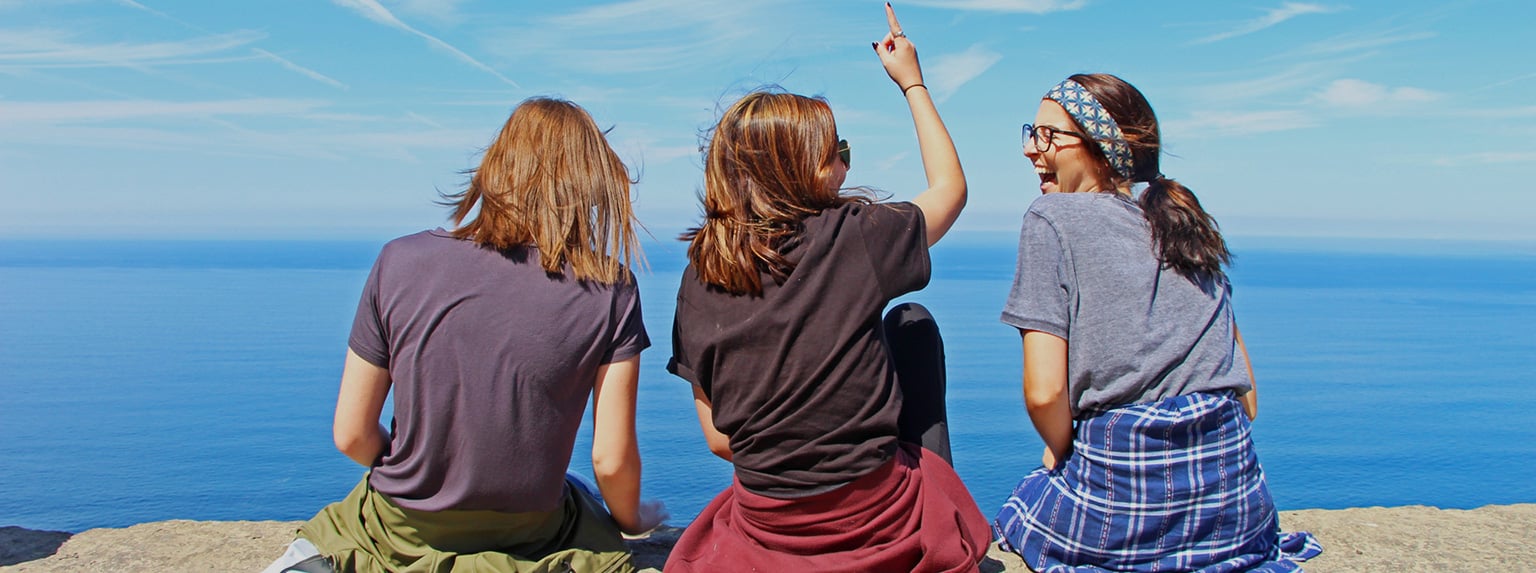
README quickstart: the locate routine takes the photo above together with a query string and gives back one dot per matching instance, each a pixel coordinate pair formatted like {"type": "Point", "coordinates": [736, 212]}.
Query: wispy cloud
{"type": "Point", "coordinates": [51, 48]}
{"type": "Point", "coordinates": [264, 54]}
{"type": "Point", "coordinates": [639, 36]}
{"type": "Point", "coordinates": [441, 11]}
{"type": "Point", "coordinates": [1487, 158]}
{"type": "Point", "coordinates": [306, 72]}
{"type": "Point", "coordinates": [1504, 113]}
{"type": "Point", "coordinates": [1024, 6]}
{"type": "Point", "coordinates": [1355, 42]}
{"type": "Point", "coordinates": [1271, 17]}
{"type": "Point", "coordinates": [12, 112]}
{"type": "Point", "coordinates": [1356, 94]}
{"type": "Point", "coordinates": [183, 127]}
{"type": "Point", "coordinates": [159, 14]}
{"type": "Point", "coordinates": [950, 72]}
{"type": "Point", "coordinates": [398, 145]}
{"type": "Point", "coordinates": [418, 118]}
{"type": "Point", "coordinates": [1288, 85]}
{"type": "Point", "coordinates": [376, 12]}
{"type": "Point", "coordinates": [892, 162]}
{"type": "Point", "coordinates": [1505, 82]}
{"type": "Point", "coordinates": [1228, 123]}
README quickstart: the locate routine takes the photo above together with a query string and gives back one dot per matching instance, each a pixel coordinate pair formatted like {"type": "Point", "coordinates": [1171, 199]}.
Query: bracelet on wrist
{"type": "Point", "coordinates": [916, 85]}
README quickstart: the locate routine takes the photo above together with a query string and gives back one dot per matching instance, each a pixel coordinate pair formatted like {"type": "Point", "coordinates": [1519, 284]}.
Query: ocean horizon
{"type": "Point", "coordinates": [147, 380]}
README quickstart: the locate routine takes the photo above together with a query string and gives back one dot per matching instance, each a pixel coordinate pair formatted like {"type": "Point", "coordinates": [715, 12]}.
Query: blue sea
{"type": "Point", "coordinates": [144, 380]}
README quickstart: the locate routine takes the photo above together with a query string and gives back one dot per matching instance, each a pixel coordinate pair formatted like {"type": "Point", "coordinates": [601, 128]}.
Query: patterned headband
{"type": "Point", "coordinates": [1090, 114]}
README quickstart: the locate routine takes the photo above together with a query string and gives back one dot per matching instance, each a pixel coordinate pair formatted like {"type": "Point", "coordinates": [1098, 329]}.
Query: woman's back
{"type": "Point", "coordinates": [798, 380]}
{"type": "Point", "coordinates": [800, 376]}
{"type": "Point", "coordinates": [490, 337]}
{"type": "Point", "coordinates": [1137, 331]}
{"type": "Point", "coordinates": [492, 361]}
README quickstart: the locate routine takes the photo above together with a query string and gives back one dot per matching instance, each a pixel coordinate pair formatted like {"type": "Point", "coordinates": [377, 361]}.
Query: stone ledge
{"type": "Point", "coordinates": [1411, 538]}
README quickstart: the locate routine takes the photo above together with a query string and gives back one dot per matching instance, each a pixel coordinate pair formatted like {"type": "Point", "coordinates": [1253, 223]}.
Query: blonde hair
{"type": "Point", "coordinates": [550, 180]}
{"type": "Point", "coordinates": [768, 165]}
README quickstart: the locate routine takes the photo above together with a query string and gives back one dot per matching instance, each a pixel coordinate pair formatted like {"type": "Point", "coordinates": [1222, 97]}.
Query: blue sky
{"type": "Point", "coordinates": [342, 119]}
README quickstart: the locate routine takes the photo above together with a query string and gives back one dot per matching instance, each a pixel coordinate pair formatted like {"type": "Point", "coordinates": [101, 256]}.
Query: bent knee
{"type": "Point", "coordinates": [906, 314]}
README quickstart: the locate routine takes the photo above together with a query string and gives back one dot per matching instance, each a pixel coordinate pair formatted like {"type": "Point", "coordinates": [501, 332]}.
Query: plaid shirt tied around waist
{"type": "Point", "coordinates": [1173, 485]}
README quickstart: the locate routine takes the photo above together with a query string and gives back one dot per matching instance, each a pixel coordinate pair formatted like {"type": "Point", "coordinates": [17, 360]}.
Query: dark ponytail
{"type": "Point", "coordinates": [1185, 237]}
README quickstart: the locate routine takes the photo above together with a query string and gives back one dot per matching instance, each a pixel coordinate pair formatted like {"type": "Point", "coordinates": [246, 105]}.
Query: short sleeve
{"type": "Point", "coordinates": [896, 239]}
{"type": "Point", "coordinates": [1042, 289]}
{"type": "Point", "coordinates": [629, 333]}
{"type": "Point", "coordinates": [369, 339]}
{"type": "Point", "coordinates": [685, 349]}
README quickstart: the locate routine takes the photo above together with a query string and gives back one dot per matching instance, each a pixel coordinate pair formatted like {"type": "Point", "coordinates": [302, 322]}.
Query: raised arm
{"type": "Point", "coordinates": [1045, 392]}
{"type": "Point", "coordinates": [719, 444]}
{"type": "Point", "coordinates": [616, 450]}
{"type": "Point", "coordinates": [1251, 399]}
{"type": "Point", "coordinates": [945, 197]}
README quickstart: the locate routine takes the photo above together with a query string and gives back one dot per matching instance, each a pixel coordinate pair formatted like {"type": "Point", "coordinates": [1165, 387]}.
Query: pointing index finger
{"type": "Point", "coordinates": [890, 18]}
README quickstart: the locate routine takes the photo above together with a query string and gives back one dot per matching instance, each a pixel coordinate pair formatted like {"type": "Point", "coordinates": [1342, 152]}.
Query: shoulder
{"type": "Point", "coordinates": [1081, 204]}
{"type": "Point", "coordinates": [871, 220]}
{"type": "Point", "coordinates": [860, 209]}
{"type": "Point", "coordinates": [436, 239]}
{"type": "Point", "coordinates": [627, 285]}
{"type": "Point", "coordinates": [1085, 210]}
{"type": "Point", "coordinates": [899, 214]}
{"type": "Point", "coordinates": [412, 246]}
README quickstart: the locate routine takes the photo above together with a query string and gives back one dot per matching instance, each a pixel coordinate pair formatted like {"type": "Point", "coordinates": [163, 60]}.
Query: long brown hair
{"type": "Point", "coordinates": [1185, 236]}
{"type": "Point", "coordinates": [550, 180]}
{"type": "Point", "coordinates": [767, 166]}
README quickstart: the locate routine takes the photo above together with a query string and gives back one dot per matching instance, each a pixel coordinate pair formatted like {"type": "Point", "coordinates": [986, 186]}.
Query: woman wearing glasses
{"type": "Point", "coordinates": [1135, 375]}
{"type": "Point", "coordinates": [833, 419]}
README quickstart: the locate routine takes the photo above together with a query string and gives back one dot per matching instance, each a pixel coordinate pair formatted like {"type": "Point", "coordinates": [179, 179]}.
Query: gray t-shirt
{"type": "Point", "coordinates": [491, 361]}
{"type": "Point", "coordinates": [1136, 332]}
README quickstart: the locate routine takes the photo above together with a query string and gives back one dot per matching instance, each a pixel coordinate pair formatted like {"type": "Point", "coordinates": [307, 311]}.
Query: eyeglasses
{"type": "Point", "coordinates": [844, 153]}
{"type": "Point", "coordinates": [1045, 135]}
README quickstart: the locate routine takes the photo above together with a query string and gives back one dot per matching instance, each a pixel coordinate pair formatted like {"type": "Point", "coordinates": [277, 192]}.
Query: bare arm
{"type": "Point", "coordinates": [719, 444]}
{"type": "Point", "coordinates": [1251, 399]}
{"type": "Point", "coordinates": [356, 428]}
{"type": "Point", "coordinates": [1045, 392]}
{"type": "Point", "coordinates": [616, 449]}
{"type": "Point", "coordinates": [946, 194]}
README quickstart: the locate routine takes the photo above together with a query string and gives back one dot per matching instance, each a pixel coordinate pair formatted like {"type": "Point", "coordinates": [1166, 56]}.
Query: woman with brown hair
{"type": "Point", "coordinates": [492, 336]}
{"type": "Point", "coordinates": [1135, 375]}
{"type": "Point", "coordinates": [833, 418]}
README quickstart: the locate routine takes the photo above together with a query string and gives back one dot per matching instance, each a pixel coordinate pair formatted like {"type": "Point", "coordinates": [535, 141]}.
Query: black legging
{"type": "Point", "coordinates": [918, 353]}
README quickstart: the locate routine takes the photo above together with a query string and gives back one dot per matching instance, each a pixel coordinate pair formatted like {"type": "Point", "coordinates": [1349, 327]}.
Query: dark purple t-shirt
{"type": "Point", "coordinates": [491, 361]}
{"type": "Point", "coordinates": [800, 377]}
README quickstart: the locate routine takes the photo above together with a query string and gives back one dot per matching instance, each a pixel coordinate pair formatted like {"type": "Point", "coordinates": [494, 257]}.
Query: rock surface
{"type": "Point", "coordinates": [1413, 538]}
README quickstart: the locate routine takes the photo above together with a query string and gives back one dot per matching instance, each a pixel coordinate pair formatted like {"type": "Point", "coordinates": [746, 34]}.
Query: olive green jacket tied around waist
{"type": "Point", "coordinates": [367, 532]}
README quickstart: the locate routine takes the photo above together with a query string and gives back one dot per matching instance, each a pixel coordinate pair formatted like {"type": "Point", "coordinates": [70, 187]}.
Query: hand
{"type": "Point", "coordinates": [1048, 459]}
{"type": "Point", "coordinates": [897, 54]}
{"type": "Point", "coordinates": [652, 512]}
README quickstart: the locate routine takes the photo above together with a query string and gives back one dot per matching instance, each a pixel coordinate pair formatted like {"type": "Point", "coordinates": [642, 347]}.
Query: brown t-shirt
{"type": "Point", "coordinates": [491, 361]}
{"type": "Point", "coordinates": [800, 377]}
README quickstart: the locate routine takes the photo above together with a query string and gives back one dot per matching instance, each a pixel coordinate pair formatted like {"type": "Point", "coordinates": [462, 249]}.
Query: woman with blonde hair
{"type": "Point", "coordinates": [1135, 375]}
{"type": "Point", "coordinates": [492, 336]}
{"type": "Point", "coordinates": [833, 418]}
